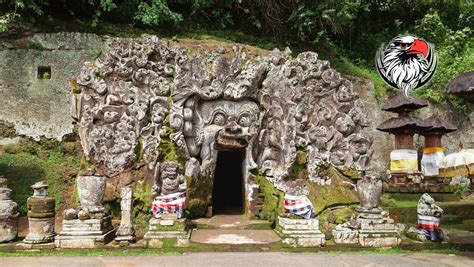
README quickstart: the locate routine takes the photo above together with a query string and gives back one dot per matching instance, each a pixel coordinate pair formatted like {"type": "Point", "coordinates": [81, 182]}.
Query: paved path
{"type": "Point", "coordinates": [229, 259]}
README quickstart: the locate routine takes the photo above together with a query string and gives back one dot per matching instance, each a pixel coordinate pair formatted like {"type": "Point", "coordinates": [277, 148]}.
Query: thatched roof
{"type": "Point", "coordinates": [402, 123]}
{"type": "Point", "coordinates": [402, 103]}
{"type": "Point", "coordinates": [463, 86]}
{"type": "Point", "coordinates": [435, 124]}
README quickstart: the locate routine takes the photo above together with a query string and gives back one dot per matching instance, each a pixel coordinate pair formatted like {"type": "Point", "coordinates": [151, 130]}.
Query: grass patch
{"type": "Point", "coordinates": [24, 168]}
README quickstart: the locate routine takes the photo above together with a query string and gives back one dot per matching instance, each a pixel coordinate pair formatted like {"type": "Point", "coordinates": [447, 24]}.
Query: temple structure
{"type": "Point", "coordinates": [411, 171]}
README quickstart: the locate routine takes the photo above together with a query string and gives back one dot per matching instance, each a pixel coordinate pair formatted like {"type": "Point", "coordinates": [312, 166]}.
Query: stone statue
{"type": "Point", "coordinates": [8, 214]}
{"type": "Point", "coordinates": [125, 232]}
{"type": "Point", "coordinates": [169, 179]}
{"type": "Point", "coordinates": [429, 218]}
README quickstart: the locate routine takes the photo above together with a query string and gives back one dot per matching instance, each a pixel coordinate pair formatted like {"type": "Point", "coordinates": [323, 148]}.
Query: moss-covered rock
{"type": "Point", "coordinates": [273, 200]}
{"type": "Point", "coordinates": [198, 195]}
{"type": "Point", "coordinates": [338, 193]}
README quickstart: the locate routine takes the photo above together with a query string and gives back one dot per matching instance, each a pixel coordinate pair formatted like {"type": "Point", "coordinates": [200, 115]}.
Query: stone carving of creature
{"type": "Point", "coordinates": [426, 206]}
{"type": "Point", "coordinates": [158, 113]}
{"type": "Point", "coordinates": [169, 179]}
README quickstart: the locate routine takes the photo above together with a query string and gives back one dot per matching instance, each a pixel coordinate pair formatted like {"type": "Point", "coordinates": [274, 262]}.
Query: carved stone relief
{"type": "Point", "coordinates": [142, 91]}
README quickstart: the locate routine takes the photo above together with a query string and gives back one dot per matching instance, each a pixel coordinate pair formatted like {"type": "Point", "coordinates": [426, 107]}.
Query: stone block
{"type": "Point", "coordinates": [345, 236]}
{"type": "Point", "coordinates": [379, 239]}
{"type": "Point", "coordinates": [89, 233]}
{"type": "Point", "coordinates": [167, 233]}
{"type": "Point", "coordinates": [300, 232]}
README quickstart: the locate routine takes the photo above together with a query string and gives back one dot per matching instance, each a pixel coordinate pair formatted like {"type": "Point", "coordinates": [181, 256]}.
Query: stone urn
{"type": "Point", "coordinates": [369, 190]}
{"type": "Point", "coordinates": [8, 214]}
{"type": "Point", "coordinates": [91, 191]}
{"type": "Point", "coordinates": [41, 212]}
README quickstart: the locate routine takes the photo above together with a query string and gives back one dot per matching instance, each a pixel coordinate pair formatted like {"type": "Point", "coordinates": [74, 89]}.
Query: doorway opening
{"type": "Point", "coordinates": [228, 190]}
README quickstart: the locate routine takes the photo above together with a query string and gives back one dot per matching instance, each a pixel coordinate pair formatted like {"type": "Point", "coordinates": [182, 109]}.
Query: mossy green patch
{"type": "Point", "coordinates": [337, 193]}
{"type": "Point", "coordinates": [198, 192]}
{"type": "Point", "coordinates": [24, 169]}
{"type": "Point", "coordinates": [336, 216]}
{"type": "Point", "coordinates": [273, 200]}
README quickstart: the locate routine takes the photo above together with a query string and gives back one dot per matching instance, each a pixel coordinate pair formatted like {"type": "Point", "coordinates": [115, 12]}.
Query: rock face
{"type": "Point", "coordinates": [41, 212]}
{"type": "Point", "coordinates": [8, 214]}
{"type": "Point", "coordinates": [191, 105]}
{"type": "Point", "coordinates": [34, 82]}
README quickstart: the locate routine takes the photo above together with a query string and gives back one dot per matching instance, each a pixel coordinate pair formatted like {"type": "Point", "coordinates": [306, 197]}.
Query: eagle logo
{"type": "Point", "coordinates": [407, 62]}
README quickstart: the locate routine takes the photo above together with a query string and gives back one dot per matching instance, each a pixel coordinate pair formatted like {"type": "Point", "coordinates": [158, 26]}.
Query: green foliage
{"type": "Point", "coordinates": [273, 200]}
{"type": "Point", "coordinates": [462, 188]}
{"type": "Point", "coordinates": [25, 168]}
{"type": "Point", "coordinates": [35, 46]}
{"type": "Point", "coordinates": [156, 12]}
{"type": "Point", "coordinates": [455, 56]}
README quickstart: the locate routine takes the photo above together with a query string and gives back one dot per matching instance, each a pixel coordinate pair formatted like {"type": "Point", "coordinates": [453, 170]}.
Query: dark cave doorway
{"type": "Point", "coordinates": [228, 189]}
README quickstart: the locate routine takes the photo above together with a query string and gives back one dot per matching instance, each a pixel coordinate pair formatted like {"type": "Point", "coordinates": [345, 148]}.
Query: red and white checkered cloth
{"type": "Point", "coordinates": [429, 223]}
{"type": "Point", "coordinates": [298, 205]}
{"type": "Point", "coordinates": [172, 203]}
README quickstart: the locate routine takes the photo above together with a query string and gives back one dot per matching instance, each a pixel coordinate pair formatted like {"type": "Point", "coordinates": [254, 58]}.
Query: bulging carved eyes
{"type": "Point", "coordinates": [244, 121]}
{"type": "Point", "coordinates": [219, 119]}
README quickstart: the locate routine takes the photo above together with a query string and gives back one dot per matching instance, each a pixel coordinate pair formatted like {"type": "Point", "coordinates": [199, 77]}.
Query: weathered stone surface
{"type": "Point", "coordinates": [160, 234]}
{"type": "Point", "coordinates": [41, 212]}
{"type": "Point", "coordinates": [8, 214]}
{"type": "Point", "coordinates": [39, 106]}
{"type": "Point", "coordinates": [40, 230]}
{"type": "Point", "coordinates": [300, 232]}
{"type": "Point", "coordinates": [70, 214]}
{"type": "Point", "coordinates": [91, 190]}
{"type": "Point", "coordinates": [369, 190]}
{"type": "Point", "coordinates": [426, 206]}
{"type": "Point", "coordinates": [125, 232]}
{"type": "Point", "coordinates": [88, 233]}
{"type": "Point", "coordinates": [269, 107]}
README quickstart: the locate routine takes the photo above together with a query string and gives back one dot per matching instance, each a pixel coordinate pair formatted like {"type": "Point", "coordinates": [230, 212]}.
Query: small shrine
{"type": "Point", "coordinates": [433, 151]}
{"type": "Point", "coordinates": [410, 170]}
{"type": "Point", "coordinates": [403, 159]}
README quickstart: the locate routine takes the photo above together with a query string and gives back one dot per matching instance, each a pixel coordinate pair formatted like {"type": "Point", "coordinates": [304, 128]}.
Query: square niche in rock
{"type": "Point", "coordinates": [44, 72]}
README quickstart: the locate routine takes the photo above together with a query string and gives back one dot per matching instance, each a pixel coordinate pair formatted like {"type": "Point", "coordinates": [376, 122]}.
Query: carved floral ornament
{"type": "Point", "coordinates": [146, 90]}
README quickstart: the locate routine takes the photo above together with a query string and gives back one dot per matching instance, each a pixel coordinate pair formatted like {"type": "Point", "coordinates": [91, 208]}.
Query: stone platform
{"type": "Point", "coordinates": [89, 233]}
{"type": "Point", "coordinates": [167, 233]}
{"type": "Point", "coordinates": [300, 232]}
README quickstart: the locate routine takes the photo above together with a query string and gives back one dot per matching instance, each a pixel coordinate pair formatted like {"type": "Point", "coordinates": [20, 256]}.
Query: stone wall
{"type": "Point", "coordinates": [37, 104]}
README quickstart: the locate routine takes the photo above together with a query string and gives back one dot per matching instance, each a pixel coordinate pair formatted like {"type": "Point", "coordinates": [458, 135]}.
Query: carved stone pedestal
{"type": "Point", "coordinates": [41, 230]}
{"type": "Point", "coordinates": [345, 235]}
{"type": "Point", "coordinates": [8, 214]}
{"type": "Point", "coordinates": [167, 233]}
{"type": "Point", "coordinates": [300, 232]}
{"type": "Point", "coordinates": [88, 233]}
{"type": "Point", "coordinates": [41, 212]}
{"type": "Point", "coordinates": [376, 228]}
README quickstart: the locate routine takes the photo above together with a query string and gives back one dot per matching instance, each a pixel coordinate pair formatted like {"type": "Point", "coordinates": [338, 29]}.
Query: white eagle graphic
{"type": "Point", "coordinates": [406, 63]}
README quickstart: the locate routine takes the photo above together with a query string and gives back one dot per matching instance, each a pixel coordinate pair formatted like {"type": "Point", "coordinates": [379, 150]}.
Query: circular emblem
{"type": "Point", "coordinates": [407, 62]}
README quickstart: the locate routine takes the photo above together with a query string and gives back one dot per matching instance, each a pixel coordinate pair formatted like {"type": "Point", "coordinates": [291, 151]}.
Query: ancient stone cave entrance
{"type": "Point", "coordinates": [228, 189]}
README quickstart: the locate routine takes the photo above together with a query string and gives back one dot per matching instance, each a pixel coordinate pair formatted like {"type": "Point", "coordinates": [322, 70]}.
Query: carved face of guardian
{"type": "Point", "coordinates": [233, 122]}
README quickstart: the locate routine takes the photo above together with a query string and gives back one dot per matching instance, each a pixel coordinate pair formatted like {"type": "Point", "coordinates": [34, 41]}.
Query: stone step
{"type": "Point", "coordinates": [234, 237]}
{"type": "Point", "coordinates": [231, 222]}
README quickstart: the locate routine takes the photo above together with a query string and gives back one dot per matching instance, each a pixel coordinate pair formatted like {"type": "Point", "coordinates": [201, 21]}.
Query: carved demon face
{"type": "Point", "coordinates": [234, 123]}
